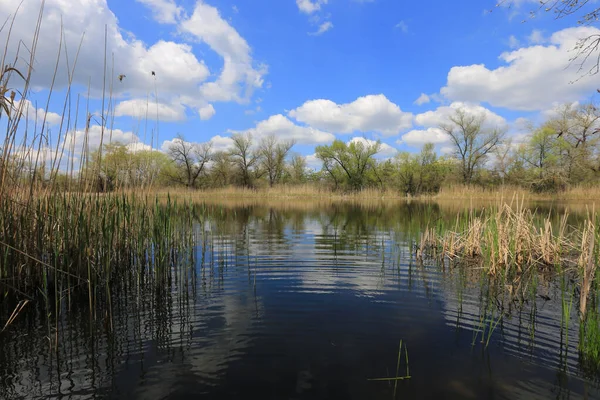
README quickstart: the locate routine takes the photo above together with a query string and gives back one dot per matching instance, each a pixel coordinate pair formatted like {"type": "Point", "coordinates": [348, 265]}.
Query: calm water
{"type": "Point", "coordinates": [300, 303]}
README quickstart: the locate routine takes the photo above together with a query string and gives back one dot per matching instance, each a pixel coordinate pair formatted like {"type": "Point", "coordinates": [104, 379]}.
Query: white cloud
{"type": "Point", "coordinates": [324, 27]}
{"type": "Point", "coordinates": [385, 150]}
{"type": "Point", "coordinates": [180, 79]}
{"type": "Point", "coordinates": [36, 114]}
{"type": "Point", "coordinates": [96, 135]}
{"type": "Point", "coordinates": [310, 6]}
{"type": "Point", "coordinates": [177, 68]}
{"type": "Point", "coordinates": [138, 146]}
{"type": "Point", "coordinates": [423, 99]}
{"type": "Point", "coordinates": [420, 137]}
{"type": "Point", "coordinates": [533, 78]}
{"type": "Point", "coordinates": [536, 37]}
{"type": "Point", "coordinates": [221, 143]}
{"type": "Point", "coordinates": [373, 113]}
{"type": "Point", "coordinates": [513, 42]}
{"type": "Point", "coordinates": [165, 11]}
{"type": "Point", "coordinates": [439, 116]}
{"type": "Point", "coordinates": [447, 150]}
{"type": "Point", "coordinates": [238, 77]}
{"type": "Point", "coordinates": [207, 112]}
{"type": "Point", "coordinates": [282, 128]}
{"type": "Point", "coordinates": [557, 108]}
{"type": "Point", "coordinates": [253, 111]}
{"type": "Point", "coordinates": [431, 120]}
{"type": "Point", "coordinates": [142, 108]}
{"type": "Point", "coordinates": [313, 162]}
{"type": "Point", "coordinates": [402, 26]}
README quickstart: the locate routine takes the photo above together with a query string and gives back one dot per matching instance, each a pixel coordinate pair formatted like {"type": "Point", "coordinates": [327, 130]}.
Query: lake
{"type": "Point", "coordinates": [302, 301]}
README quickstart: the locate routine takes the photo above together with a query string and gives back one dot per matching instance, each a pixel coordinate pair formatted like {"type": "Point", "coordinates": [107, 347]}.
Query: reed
{"type": "Point", "coordinates": [507, 239]}
{"type": "Point", "coordinates": [398, 377]}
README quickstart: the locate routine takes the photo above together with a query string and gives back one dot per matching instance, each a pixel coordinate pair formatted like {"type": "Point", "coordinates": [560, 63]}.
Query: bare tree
{"type": "Point", "coordinates": [244, 157]}
{"type": "Point", "coordinates": [273, 155]}
{"type": "Point", "coordinates": [503, 154]}
{"type": "Point", "coordinates": [190, 159]}
{"type": "Point", "coordinates": [471, 141]}
{"type": "Point", "coordinates": [221, 169]}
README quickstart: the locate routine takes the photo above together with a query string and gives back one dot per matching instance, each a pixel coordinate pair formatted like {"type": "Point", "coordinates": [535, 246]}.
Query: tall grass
{"type": "Point", "coordinates": [505, 239]}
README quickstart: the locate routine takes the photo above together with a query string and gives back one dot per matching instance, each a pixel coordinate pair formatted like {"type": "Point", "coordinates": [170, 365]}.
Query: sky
{"type": "Point", "coordinates": [308, 70]}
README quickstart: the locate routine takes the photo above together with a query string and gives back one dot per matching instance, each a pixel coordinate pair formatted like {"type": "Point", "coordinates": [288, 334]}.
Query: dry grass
{"type": "Point", "coordinates": [509, 239]}
{"type": "Point", "coordinates": [447, 195]}
{"type": "Point", "coordinates": [576, 193]}
{"type": "Point", "coordinates": [306, 191]}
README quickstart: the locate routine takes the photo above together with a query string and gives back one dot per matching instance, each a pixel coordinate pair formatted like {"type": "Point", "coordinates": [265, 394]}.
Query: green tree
{"type": "Point", "coordinates": [350, 161]}
{"type": "Point", "coordinates": [297, 169]}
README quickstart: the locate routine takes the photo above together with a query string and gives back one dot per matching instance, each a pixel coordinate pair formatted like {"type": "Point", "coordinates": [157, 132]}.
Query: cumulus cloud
{"type": "Point", "coordinates": [385, 150]}
{"type": "Point", "coordinates": [164, 11]}
{"type": "Point", "coordinates": [313, 162]}
{"type": "Point", "coordinates": [96, 135]}
{"type": "Point", "coordinates": [310, 6]}
{"type": "Point", "coordinates": [373, 113]}
{"type": "Point", "coordinates": [402, 26]}
{"type": "Point", "coordinates": [282, 128]}
{"type": "Point", "coordinates": [207, 112]}
{"type": "Point", "coordinates": [324, 27]}
{"type": "Point", "coordinates": [431, 120]}
{"type": "Point", "coordinates": [418, 137]}
{"type": "Point", "coordinates": [439, 116]}
{"type": "Point", "coordinates": [179, 76]}
{"type": "Point", "coordinates": [142, 108]}
{"type": "Point", "coordinates": [34, 114]}
{"type": "Point", "coordinates": [239, 78]}
{"type": "Point", "coordinates": [532, 78]}
{"type": "Point", "coordinates": [221, 143]}
{"type": "Point", "coordinates": [536, 37]}
{"type": "Point", "coordinates": [132, 57]}
{"type": "Point", "coordinates": [423, 99]}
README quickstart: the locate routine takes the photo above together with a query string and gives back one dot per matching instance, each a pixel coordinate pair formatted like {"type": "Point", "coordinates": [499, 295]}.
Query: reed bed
{"type": "Point", "coordinates": [55, 245]}
{"type": "Point", "coordinates": [513, 247]}
{"type": "Point", "coordinates": [507, 239]}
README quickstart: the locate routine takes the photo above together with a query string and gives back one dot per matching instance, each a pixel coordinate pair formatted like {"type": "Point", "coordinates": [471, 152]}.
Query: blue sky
{"type": "Point", "coordinates": [311, 70]}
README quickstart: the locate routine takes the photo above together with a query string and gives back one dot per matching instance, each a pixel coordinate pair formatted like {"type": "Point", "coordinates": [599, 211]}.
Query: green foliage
{"type": "Point", "coordinates": [349, 165]}
{"type": "Point", "coordinates": [420, 173]}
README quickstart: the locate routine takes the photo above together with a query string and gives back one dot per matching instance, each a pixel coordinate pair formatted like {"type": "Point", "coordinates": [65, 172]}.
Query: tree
{"type": "Point", "coordinates": [190, 159]}
{"type": "Point", "coordinates": [420, 173]}
{"type": "Point", "coordinates": [297, 169]}
{"type": "Point", "coordinates": [221, 170]}
{"type": "Point", "coordinates": [542, 154]}
{"type": "Point", "coordinates": [578, 127]}
{"type": "Point", "coordinates": [354, 159]}
{"type": "Point", "coordinates": [149, 167]}
{"type": "Point", "coordinates": [472, 142]}
{"type": "Point", "coordinates": [273, 155]}
{"type": "Point", "coordinates": [244, 158]}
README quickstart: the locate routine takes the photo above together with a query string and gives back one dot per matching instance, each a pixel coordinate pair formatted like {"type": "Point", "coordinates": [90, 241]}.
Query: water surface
{"type": "Point", "coordinates": [301, 302]}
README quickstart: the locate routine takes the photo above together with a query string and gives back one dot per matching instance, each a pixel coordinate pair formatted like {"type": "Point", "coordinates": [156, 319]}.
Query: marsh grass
{"type": "Point", "coordinates": [506, 239]}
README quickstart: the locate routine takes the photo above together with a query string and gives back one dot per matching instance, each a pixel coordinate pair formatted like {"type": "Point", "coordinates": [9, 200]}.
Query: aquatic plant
{"type": "Point", "coordinates": [398, 377]}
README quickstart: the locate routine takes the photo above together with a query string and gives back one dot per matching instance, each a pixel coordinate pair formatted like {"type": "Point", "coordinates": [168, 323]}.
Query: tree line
{"type": "Point", "coordinates": [563, 151]}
